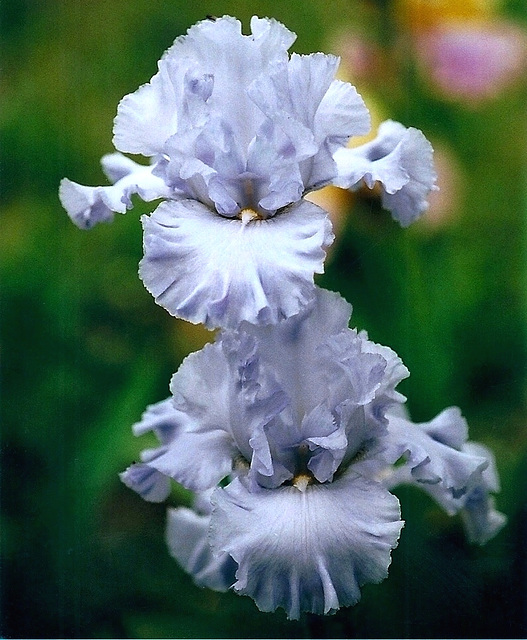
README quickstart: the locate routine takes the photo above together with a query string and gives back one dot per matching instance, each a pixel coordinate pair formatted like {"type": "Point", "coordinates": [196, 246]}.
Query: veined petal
{"type": "Point", "coordinates": [219, 271]}
{"type": "Point", "coordinates": [161, 418]}
{"type": "Point", "coordinates": [149, 483]}
{"type": "Point", "coordinates": [186, 536]}
{"type": "Point", "coordinates": [307, 550]}
{"type": "Point", "coordinates": [401, 160]}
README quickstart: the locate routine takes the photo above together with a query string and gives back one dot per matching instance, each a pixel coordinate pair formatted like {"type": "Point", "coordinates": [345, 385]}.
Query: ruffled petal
{"type": "Point", "coordinates": [341, 115]}
{"type": "Point", "coordinates": [291, 348]}
{"type": "Point", "coordinates": [394, 371]}
{"type": "Point", "coordinates": [274, 167]}
{"type": "Point", "coordinates": [289, 93]}
{"type": "Point", "coordinates": [356, 387]}
{"type": "Point", "coordinates": [479, 516]}
{"type": "Point", "coordinates": [428, 458]}
{"type": "Point", "coordinates": [202, 452]}
{"type": "Point", "coordinates": [151, 484]}
{"type": "Point", "coordinates": [175, 98]}
{"type": "Point", "coordinates": [307, 550]}
{"type": "Point", "coordinates": [208, 165]}
{"type": "Point", "coordinates": [218, 271]}
{"type": "Point", "coordinates": [476, 505]}
{"type": "Point", "coordinates": [87, 206]}
{"type": "Point", "coordinates": [339, 383]}
{"type": "Point", "coordinates": [223, 398]}
{"type": "Point", "coordinates": [347, 361]}
{"type": "Point", "coordinates": [401, 160]}
{"type": "Point", "coordinates": [482, 521]}
{"type": "Point", "coordinates": [326, 440]}
{"type": "Point", "coordinates": [186, 536]}
{"type": "Point", "coordinates": [219, 48]}
{"type": "Point", "coordinates": [311, 115]}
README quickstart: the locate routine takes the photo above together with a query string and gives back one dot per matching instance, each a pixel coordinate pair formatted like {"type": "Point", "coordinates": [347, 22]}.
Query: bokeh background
{"type": "Point", "coordinates": [84, 348]}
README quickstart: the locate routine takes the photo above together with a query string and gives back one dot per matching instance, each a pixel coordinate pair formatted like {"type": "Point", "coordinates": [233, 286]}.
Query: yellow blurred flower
{"type": "Point", "coordinates": [420, 15]}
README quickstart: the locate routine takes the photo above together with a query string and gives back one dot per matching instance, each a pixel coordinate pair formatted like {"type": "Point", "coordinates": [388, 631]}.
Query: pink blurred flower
{"type": "Point", "coordinates": [472, 61]}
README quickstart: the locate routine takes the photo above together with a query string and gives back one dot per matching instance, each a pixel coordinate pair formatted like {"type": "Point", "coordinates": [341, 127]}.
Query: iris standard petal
{"type": "Point", "coordinates": [307, 550]}
{"type": "Point", "coordinates": [218, 47]}
{"type": "Point", "coordinates": [173, 99]}
{"type": "Point", "coordinates": [291, 348]}
{"type": "Point", "coordinates": [312, 114]}
{"type": "Point", "coordinates": [223, 398]}
{"type": "Point", "coordinates": [220, 271]}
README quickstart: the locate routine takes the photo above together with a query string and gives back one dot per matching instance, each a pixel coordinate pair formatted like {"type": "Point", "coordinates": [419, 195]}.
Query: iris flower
{"type": "Point", "coordinates": [237, 132]}
{"type": "Point", "coordinates": [291, 435]}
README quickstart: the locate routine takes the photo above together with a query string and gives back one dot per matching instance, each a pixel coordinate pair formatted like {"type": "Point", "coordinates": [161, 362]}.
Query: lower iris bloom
{"type": "Point", "coordinates": [291, 436]}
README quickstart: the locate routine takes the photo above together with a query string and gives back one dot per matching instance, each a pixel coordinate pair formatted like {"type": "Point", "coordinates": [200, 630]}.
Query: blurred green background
{"type": "Point", "coordinates": [84, 348]}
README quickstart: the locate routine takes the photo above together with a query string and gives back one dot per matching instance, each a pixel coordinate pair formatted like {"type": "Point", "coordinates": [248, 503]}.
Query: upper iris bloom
{"type": "Point", "coordinates": [238, 133]}
{"type": "Point", "coordinates": [292, 435]}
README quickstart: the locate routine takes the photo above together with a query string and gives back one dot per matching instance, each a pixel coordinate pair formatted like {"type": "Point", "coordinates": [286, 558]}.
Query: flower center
{"type": "Point", "coordinates": [303, 477]}
{"type": "Point", "coordinates": [302, 480]}
{"type": "Point", "coordinates": [248, 215]}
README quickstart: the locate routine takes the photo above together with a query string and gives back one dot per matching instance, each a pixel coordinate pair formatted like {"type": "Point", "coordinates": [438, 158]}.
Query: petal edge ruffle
{"type": "Point", "coordinates": [220, 271]}
{"type": "Point", "coordinates": [306, 550]}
